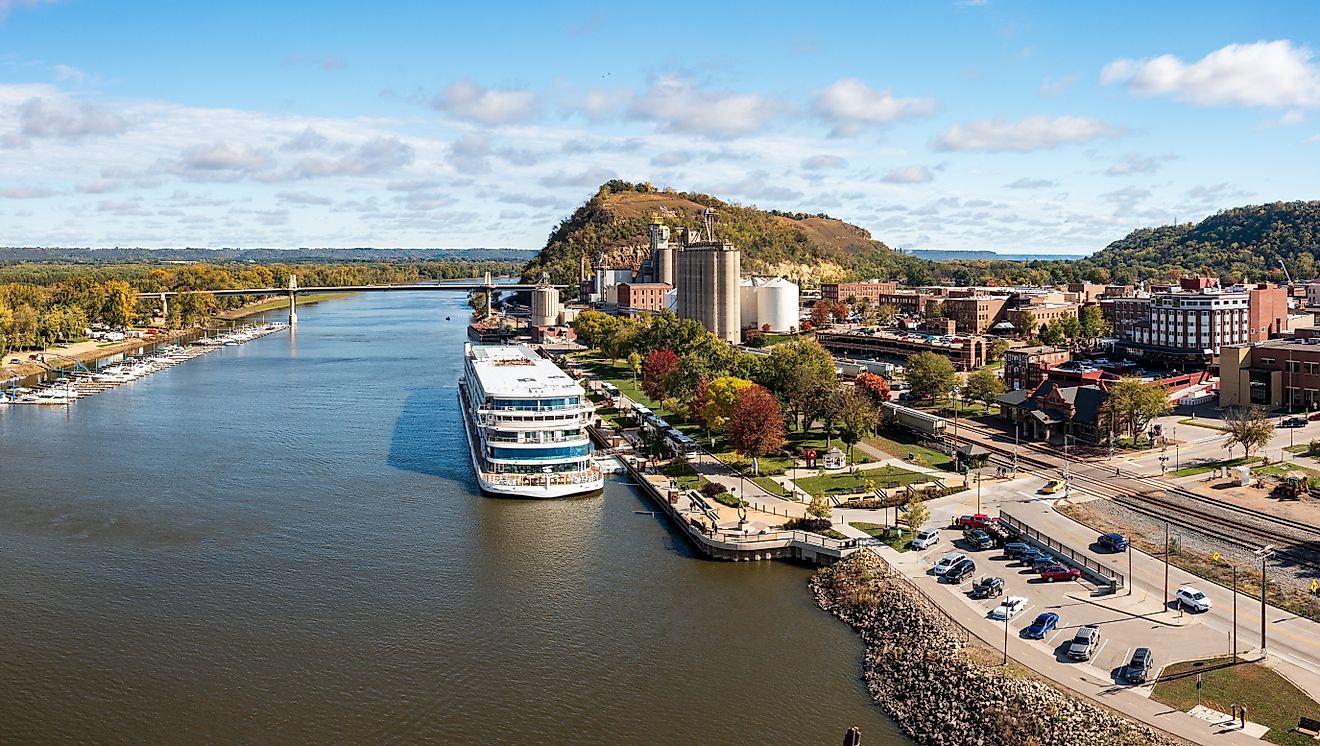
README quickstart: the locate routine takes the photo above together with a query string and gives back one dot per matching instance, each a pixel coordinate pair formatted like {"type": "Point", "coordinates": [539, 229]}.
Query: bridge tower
{"type": "Point", "coordinates": [490, 290]}
{"type": "Point", "coordinates": [293, 300]}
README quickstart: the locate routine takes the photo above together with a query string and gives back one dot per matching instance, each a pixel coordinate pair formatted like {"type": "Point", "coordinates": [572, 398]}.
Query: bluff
{"type": "Point", "coordinates": [614, 221]}
{"type": "Point", "coordinates": [1243, 243]}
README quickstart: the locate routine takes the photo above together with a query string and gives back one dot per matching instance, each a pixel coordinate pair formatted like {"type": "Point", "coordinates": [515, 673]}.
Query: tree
{"type": "Point", "coordinates": [657, 370]}
{"type": "Point", "coordinates": [840, 312]}
{"type": "Point", "coordinates": [930, 374]}
{"type": "Point", "coordinates": [819, 507]}
{"type": "Point", "coordinates": [1248, 427]}
{"type": "Point", "coordinates": [820, 313]}
{"type": "Point", "coordinates": [935, 310]}
{"type": "Point", "coordinates": [1026, 325]}
{"type": "Point", "coordinates": [717, 400]}
{"type": "Point", "coordinates": [1050, 333]}
{"type": "Point", "coordinates": [873, 386]}
{"type": "Point", "coordinates": [1070, 327]}
{"type": "Point", "coordinates": [594, 327]}
{"type": "Point", "coordinates": [756, 425]}
{"type": "Point", "coordinates": [809, 393]}
{"type": "Point", "coordinates": [983, 386]}
{"type": "Point", "coordinates": [476, 301]}
{"type": "Point", "coordinates": [635, 364]}
{"type": "Point", "coordinates": [1132, 404]}
{"type": "Point", "coordinates": [997, 350]}
{"type": "Point", "coordinates": [886, 314]}
{"type": "Point", "coordinates": [856, 415]}
{"type": "Point", "coordinates": [1091, 322]}
{"type": "Point", "coordinates": [917, 514]}
{"type": "Point", "coordinates": [622, 340]}
{"type": "Point", "coordinates": [120, 303]}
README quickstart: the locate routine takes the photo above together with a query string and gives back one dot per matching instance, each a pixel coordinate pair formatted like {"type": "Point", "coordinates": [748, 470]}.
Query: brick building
{"type": "Point", "coordinates": [975, 314]}
{"type": "Point", "coordinates": [1192, 322]}
{"type": "Point", "coordinates": [1277, 373]}
{"type": "Point", "coordinates": [1044, 313]}
{"type": "Point", "coordinates": [1026, 367]}
{"type": "Point", "coordinates": [839, 292]}
{"type": "Point", "coordinates": [643, 296]}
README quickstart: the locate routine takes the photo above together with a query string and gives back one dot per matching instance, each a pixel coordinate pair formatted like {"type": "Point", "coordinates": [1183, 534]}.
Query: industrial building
{"type": "Point", "coordinates": [872, 290]}
{"type": "Point", "coordinates": [708, 275]}
{"type": "Point", "coordinates": [770, 304]}
{"type": "Point", "coordinates": [643, 296]}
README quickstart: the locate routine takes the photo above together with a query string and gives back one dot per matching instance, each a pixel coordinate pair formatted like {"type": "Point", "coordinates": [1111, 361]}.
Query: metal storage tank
{"type": "Point", "coordinates": [708, 274]}
{"type": "Point", "coordinates": [777, 302]}
{"type": "Point", "coordinates": [747, 289]}
{"type": "Point", "coordinates": [545, 306]}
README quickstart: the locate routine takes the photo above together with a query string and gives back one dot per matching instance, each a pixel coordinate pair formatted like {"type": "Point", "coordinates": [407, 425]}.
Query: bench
{"type": "Point", "coordinates": [1309, 727]}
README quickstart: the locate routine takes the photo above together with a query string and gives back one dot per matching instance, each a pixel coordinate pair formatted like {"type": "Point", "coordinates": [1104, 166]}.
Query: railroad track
{"type": "Point", "coordinates": [1296, 542]}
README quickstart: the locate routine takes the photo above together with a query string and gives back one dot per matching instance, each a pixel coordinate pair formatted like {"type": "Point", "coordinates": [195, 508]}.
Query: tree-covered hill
{"type": "Point", "coordinates": [1244, 243]}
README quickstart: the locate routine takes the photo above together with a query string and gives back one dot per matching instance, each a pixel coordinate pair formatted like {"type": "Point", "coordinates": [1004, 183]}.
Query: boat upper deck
{"type": "Point", "coordinates": [517, 371]}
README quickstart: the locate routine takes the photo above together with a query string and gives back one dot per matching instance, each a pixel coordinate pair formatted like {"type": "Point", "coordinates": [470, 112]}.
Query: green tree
{"type": "Point", "coordinates": [1249, 427]}
{"type": "Point", "coordinates": [476, 301]}
{"type": "Point", "coordinates": [997, 350]}
{"type": "Point", "coordinates": [917, 514]}
{"type": "Point", "coordinates": [983, 386]}
{"type": "Point", "coordinates": [1026, 325]}
{"type": "Point", "coordinates": [594, 327]}
{"type": "Point", "coordinates": [1070, 327]}
{"type": "Point", "coordinates": [1092, 323]}
{"type": "Point", "coordinates": [935, 310]}
{"type": "Point", "coordinates": [1050, 333]}
{"type": "Point", "coordinates": [1133, 403]}
{"type": "Point", "coordinates": [856, 416]}
{"type": "Point", "coordinates": [930, 375]}
{"type": "Point", "coordinates": [819, 507]}
{"type": "Point", "coordinates": [635, 364]}
{"type": "Point", "coordinates": [120, 304]}
{"type": "Point", "coordinates": [718, 400]}
{"type": "Point", "coordinates": [886, 313]}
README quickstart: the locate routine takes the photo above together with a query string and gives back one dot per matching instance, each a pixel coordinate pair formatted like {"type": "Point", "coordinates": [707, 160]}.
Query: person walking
{"type": "Point", "coordinates": [1244, 715]}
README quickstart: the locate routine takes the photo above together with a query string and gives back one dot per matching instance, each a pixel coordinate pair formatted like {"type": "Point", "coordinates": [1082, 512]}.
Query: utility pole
{"type": "Point", "coordinates": [1235, 646]}
{"type": "Point", "coordinates": [1129, 577]}
{"type": "Point", "coordinates": [1166, 565]}
{"type": "Point", "coordinates": [956, 391]}
{"type": "Point", "coordinates": [978, 491]}
{"type": "Point", "coordinates": [1017, 429]}
{"type": "Point", "coordinates": [1263, 553]}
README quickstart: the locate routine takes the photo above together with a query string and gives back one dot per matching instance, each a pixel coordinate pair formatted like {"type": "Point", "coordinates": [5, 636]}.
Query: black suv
{"type": "Point", "coordinates": [960, 572]}
{"type": "Point", "coordinates": [978, 539]}
{"type": "Point", "coordinates": [1140, 667]}
{"type": "Point", "coordinates": [988, 588]}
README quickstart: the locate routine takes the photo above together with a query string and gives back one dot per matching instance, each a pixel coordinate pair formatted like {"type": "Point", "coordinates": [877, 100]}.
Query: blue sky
{"type": "Point", "coordinates": [1017, 127]}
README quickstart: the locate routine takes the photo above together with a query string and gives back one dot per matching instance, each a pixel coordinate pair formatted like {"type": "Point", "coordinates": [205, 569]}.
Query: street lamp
{"type": "Point", "coordinates": [956, 390]}
{"type": "Point", "coordinates": [978, 492]}
{"type": "Point", "coordinates": [1263, 554]}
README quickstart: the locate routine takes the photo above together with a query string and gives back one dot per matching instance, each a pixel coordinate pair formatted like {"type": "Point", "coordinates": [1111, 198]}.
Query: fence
{"type": "Point", "coordinates": [1103, 575]}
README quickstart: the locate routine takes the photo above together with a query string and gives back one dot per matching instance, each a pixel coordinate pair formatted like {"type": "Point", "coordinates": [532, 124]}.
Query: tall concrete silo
{"type": "Point", "coordinates": [777, 302]}
{"type": "Point", "coordinates": [662, 254]}
{"type": "Point", "coordinates": [747, 288]}
{"type": "Point", "coordinates": [708, 274]}
{"type": "Point", "coordinates": [545, 303]}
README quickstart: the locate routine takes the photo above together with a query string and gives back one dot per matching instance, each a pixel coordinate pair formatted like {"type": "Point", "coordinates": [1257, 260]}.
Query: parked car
{"type": "Point", "coordinates": [988, 587]}
{"type": "Point", "coordinates": [1042, 562]}
{"type": "Point", "coordinates": [1140, 667]}
{"type": "Point", "coordinates": [926, 538]}
{"type": "Point", "coordinates": [1010, 606]}
{"type": "Point", "coordinates": [1294, 422]}
{"type": "Point", "coordinates": [1059, 572]}
{"type": "Point", "coordinates": [1084, 642]}
{"type": "Point", "coordinates": [978, 539]}
{"type": "Point", "coordinates": [1044, 624]}
{"type": "Point", "coordinates": [1015, 549]}
{"type": "Point", "coordinates": [1053, 486]}
{"type": "Point", "coordinates": [1192, 599]}
{"type": "Point", "coordinates": [958, 573]}
{"type": "Point", "coordinates": [948, 561]}
{"type": "Point", "coordinates": [1113, 542]}
{"type": "Point", "coordinates": [1030, 555]}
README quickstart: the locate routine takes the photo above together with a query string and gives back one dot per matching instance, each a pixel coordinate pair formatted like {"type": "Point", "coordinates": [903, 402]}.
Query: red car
{"type": "Point", "coordinates": [1059, 572]}
{"type": "Point", "coordinates": [980, 520]}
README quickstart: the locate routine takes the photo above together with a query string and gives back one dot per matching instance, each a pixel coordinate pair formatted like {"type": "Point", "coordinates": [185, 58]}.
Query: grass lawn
{"type": "Point", "coordinates": [1138, 444]}
{"type": "Point", "coordinates": [1271, 699]}
{"type": "Point", "coordinates": [902, 541]}
{"type": "Point", "coordinates": [684, 475]}
{"type": "Point", "coordinates": [771, 486]}
{"type": "Point", "coordinates": [837, 484]}
{"type": "Point", "coordinates": [1209, 424]}
{"type": "Point", "coordinates": [1192, 471]}
{"type": "Point", "coordinates": [900, 444]}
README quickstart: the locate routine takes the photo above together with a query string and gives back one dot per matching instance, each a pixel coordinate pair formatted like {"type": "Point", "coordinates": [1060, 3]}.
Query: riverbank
{"type": "Point", "coordinates": [83, 352]}
{"type": "Point", "coordinates": [939, 687]}
{"type": "Point", "coordinates": [277, 304]}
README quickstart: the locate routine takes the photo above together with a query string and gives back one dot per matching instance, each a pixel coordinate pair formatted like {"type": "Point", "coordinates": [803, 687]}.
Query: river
{"type": "Point", "coordinates": [283, 543]}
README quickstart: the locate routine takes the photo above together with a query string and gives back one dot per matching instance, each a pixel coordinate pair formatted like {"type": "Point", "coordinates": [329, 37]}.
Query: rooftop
{"type": "Point", "coordinates": [516, 370]}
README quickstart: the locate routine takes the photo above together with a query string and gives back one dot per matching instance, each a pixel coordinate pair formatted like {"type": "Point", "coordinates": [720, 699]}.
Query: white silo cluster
{"type": "Point", "coordinates": [773, 300]}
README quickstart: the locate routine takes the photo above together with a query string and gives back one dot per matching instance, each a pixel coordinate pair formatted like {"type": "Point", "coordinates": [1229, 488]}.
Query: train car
{"type": "Point", "coordinates": [913, 419]}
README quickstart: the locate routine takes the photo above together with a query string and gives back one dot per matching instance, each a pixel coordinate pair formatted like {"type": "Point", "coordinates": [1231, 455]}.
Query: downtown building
{"type": "Point", "coordinates": [1191, 322]}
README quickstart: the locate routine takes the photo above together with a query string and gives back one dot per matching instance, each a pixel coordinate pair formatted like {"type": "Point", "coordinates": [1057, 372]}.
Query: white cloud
{"type": "Point", "coordinates": [1273, 73]}
{"type": "Point", "coordinates": [1024, 135]}
{"type": "Point", "coordinates": [66, 120]}
{"type": "Point", "coordinates": [224, 156]}
{"type": "Point", "coordinates": [303, 198]}
{"type": "Point", "coordinates": [823, 162]}
{"type": "Point", "coordinates": [376, 156]}
{"type": "Point", "coordinates": [589, 177]}
{"type": "Point", "coordinates": [675, 104]}
{"type": "Point", "coordinates": [671, 158]}
{"type": "Point", "coordinates": [470, 102]}
{"type": "Point", "coordinates": [25, 192]}
{"type": "Point", "coordinates": [909, 175]}
{"type": "Point", "coordinates": [852, 106]}
{"type": "Point", "coordinates": [1029, 183]}
{"type": "Point", "coordinates": [308, 139]}
{"type": "Point", "coordinates": [97, 186]}
{"type": "Point", "coordinates": [1137, 164]}
{"type": "Point", "coordinates": [1051, 87]}
{"type": "Point", "coordinates": [470, 154]}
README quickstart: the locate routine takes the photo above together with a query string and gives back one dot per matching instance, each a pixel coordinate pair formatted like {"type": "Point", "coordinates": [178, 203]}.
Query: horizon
{"type": "Point", "coordinates": [1007, 127]}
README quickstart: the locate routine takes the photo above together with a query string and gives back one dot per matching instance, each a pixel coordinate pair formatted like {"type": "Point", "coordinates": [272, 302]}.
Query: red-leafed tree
{"type": "Point", "coordinates": [840, 311]}
{"type": "Point", "coordinates": [756, 425]}
{"type": "Point", "coordinates": [820, 313]}
{"type": "Point", "coordinates": [873, 386]}
{"type": "Point", "coordinates": [657, 370]}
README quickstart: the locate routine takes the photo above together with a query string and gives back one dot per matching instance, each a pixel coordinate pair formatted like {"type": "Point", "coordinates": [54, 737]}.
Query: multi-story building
{"type": "Point", "coordinates": [908, 302]}
{"type": "Point", "coordinates": [1192, 322]}
{"type": "Point", "coordinates": [975, 313]}
{"type": "Point", "coordinates": [1044, 313]}
{"type": "Point", "coordinates": [643, 296]}
{"type": "Point", "coordinates": [837, 292]}
{"type": "Point", "coordinates": [1275, 373]}
{"type": "Point", "coordinates": [1026, 367]}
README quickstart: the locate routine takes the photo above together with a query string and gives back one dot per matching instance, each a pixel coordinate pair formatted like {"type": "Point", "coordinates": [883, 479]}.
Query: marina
{"type": "Point", "coordinates": [81, 382]}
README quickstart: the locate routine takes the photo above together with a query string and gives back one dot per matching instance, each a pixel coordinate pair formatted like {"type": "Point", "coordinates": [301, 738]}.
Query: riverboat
{"type": "Point", "coordinates": [526, 421]}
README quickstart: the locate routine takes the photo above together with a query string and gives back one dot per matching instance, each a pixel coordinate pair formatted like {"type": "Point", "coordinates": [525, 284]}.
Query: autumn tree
{"type": "Point", "coordinates": [840, 312]}
{"type": "Point", "coordinates": [1133, 403]}
{"type": "Point", "coordinates": [930, 375]}
{"type": "Point", "coordinates": [718, 398]}
{"type": "Point", "coordinates": [983, 386]}
{"type": "Point", "coordinates": [756, 425]}
{"type": "Point", "coordinates": [120, 303]}
{"type": "Point", "coordinates": [935, 310]}
{"type": "Point", "coordinates": [886, 313]}
{"type": "Point", "coordinates": [856, 416]}
{"type": "Point", "coordinates": [1092, 323]}
{"type": "Point", "coordinates": [820, 313]}
{"type": "Point", "coordinates": [635, 364]}
{"type": "Point", "coordinates": [819, 507]}
{"type": "Point", "coordinates": [657, 370]}
{"type": "Point", "coordinates": [593, 328]}
{"type": "Point", "coordinates": [917, 514]}
{"type": "Point", "coordinates": [873, 386]}
{"type": "Point", "coordinates": [1249, 427]}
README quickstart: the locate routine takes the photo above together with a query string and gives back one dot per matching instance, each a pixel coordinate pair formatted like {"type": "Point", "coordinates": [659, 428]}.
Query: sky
{"type": "Point", "coordinates": [963, 124]}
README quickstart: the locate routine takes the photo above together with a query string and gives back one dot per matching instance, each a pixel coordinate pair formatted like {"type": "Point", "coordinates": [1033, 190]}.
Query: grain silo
{"type": "Point", "coordinates": [708, 291]}
{"type": "Point", "coordinates": [662, 254]}
{"type": "Point", "coordinates": [777, 304]}
{"type": "Point", "coordinates": [545, 303]}
{"type": "Point", "coordinates": [747, 288]}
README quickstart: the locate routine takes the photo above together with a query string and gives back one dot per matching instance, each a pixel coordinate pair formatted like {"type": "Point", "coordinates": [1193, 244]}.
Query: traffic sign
{"type": "Point", "coordinates": [1215, 556]}
{"type": "Point", "coordinates": [1198, 682]}
{"type": "Point", "coordinates": [1315, 587]}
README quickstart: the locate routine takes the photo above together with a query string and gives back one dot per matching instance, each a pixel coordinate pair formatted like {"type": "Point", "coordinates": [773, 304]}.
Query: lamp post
{"type": "Point", "coordinates": [955, 393]}
{"type": "Point", "coordinates": [1263, 553]}
{"type": "Point", "coordinates": [1235, 627]}
{"type": "Point", "coordinates": [1166, 565]}
{"type": "Point", "coordinates": [1005, 636]}
{"type": "Point", "coordinates": [1017, 429]}
{"type": "Point", "coordinates": [978, 492]}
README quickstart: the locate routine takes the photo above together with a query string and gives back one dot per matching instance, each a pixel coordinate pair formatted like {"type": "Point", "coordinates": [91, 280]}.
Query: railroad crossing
{"type": "Point", "coordinates": [487, 285]}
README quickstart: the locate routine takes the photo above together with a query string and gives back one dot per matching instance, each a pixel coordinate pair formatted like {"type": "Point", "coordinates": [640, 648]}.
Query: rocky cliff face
{"type": "Point", "coordinates": [919, 668]}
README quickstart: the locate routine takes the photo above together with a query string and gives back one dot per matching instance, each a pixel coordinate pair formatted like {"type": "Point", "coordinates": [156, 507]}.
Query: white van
{"type": "Point", "coordinates": [926, 538]}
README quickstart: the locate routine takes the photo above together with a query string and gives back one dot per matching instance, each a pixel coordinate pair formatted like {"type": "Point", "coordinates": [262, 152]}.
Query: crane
{"type": "Point", "coordinates": [1284, 267]}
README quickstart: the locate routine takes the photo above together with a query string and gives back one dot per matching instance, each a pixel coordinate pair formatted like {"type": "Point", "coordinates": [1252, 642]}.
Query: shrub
{"type": "Point", "coordinates": [815, 525]}
{"type": "Point", "coordinates": [710, 489]}
{"type": "Point", "coordinates": [729, 499]}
